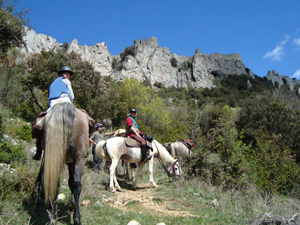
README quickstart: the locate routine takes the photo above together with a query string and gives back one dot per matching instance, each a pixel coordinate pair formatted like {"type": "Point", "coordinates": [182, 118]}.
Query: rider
{"type": "Point", "coordinates": [60, 91]}
{"type": "Point", "coordinates": [132, 130]}
{"type": "Point", "coordinates": [95, 138]}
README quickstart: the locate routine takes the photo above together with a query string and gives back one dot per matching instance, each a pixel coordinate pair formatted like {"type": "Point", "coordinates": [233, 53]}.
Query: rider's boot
{"type": "Point", "coordinates": [144, 153]}
{"type": "Point", "coordinates": [39, 150]}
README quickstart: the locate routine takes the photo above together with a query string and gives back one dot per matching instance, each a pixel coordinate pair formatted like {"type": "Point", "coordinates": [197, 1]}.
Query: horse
{"type": "Point", "coordinates": [115, 149]}
{"type": "Point", "coordinates": [65, 140]}
{"type": "Point", "coordinates": [178, 149]}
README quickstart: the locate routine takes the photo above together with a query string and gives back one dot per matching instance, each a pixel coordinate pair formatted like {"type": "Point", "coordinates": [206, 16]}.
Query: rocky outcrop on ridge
{"type": "Point", "coordinates": [278, 80]}
{"type": "Point", "coordinates": [146, 61]}
{"type": "Point", "coordinates": [35, 43]}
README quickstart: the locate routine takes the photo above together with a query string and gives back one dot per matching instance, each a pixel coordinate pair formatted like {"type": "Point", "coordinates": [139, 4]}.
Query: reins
{"type": "Point", "coordinates": [162, 163]}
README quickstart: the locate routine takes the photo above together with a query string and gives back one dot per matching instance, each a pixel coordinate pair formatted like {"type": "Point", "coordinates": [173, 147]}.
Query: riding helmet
{"type": "Point", "coordinates": [132, 110]}
{"type": "Point", "coordinates": [98, 125]}
{"type": "Point", "coordinates": [65, 69]}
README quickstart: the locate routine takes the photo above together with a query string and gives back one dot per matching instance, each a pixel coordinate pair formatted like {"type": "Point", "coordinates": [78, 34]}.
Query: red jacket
{"type": "Point", "coordinates": [130, 123]}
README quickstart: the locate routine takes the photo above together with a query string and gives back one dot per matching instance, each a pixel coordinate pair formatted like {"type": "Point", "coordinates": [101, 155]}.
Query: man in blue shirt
{"type": "Point", "coordinates": [60, 91]}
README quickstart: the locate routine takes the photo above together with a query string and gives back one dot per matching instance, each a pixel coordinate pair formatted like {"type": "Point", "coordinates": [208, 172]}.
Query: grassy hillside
{"type": "Point", "coordinates": [183, 201]}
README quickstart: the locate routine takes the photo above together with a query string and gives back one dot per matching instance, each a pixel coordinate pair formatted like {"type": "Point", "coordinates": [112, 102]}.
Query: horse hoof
{"type": "Point", "coordinates": [112, 190]}
{"type": "Point", "coordinates": [119, 189]}
{"type": "Point", "coordinates": [155, 186]}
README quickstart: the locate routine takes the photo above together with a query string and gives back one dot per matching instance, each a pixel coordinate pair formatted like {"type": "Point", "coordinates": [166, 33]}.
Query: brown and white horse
{"type": "Point", "coordinates": [65, 140]}
{"type": "Point", "coordinates": [115, 149]}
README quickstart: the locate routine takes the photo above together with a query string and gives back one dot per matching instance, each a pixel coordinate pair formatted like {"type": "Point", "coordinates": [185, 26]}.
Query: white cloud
{"type": "Point", "coordinates": [277, 53]}
{"type": "Point", "coordinates": [297, 74]}
{"type": "Point", "coordinates": [285, 40]}
{"type": "Point", "coordinates": [296, 41]}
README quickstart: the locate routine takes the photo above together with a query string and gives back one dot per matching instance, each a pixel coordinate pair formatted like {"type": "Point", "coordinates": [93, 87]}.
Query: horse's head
{"type": "Point", "coordinates": [174, 170]}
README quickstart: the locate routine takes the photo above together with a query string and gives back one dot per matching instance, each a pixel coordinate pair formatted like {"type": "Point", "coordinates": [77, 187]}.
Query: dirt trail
{"type": "Point", "coordinates": [145, 200]}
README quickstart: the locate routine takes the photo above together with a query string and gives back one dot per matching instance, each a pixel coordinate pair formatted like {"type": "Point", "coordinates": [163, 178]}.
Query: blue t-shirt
{"type": "Point", "coordinates": [57, 88]}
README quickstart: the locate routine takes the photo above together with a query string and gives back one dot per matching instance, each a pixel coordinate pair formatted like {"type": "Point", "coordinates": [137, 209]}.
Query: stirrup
{"type": "Point", "coordinates": [37, 157]}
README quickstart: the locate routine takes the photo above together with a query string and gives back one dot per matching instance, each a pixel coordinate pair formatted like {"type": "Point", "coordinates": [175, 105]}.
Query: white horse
{"type": "Point", "coordinates": [177, 149]}
{"type": "Point", "coordinates": [115, 149]}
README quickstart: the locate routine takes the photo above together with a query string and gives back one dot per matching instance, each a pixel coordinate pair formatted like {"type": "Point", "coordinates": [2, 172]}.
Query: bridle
{"type": "Point", "coordinates": [173, 169]}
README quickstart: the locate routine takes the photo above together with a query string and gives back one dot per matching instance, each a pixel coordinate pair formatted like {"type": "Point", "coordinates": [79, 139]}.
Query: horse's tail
{"type": "Point", "coordinates": [101, 150]}
{"type": "Point", "coordinates": [58, 130]}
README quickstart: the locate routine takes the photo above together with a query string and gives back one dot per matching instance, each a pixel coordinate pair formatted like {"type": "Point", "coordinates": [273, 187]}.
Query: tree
{"type": "Point", "coordinates": [12, 25]}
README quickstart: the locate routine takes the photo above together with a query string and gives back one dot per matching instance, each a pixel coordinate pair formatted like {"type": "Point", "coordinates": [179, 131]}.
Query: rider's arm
{"type": "Point", "coordinates": [109, 133]}
{"type": "Point", "coordinates": [69, 87]}
{"type": "Point", "coordinates": [134, 131]}
{"type": "Point", "coordinates": [91, 140]}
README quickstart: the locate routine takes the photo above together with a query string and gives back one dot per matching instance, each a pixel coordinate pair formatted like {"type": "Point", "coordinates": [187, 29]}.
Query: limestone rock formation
{"type": "Point", "coordinates": [146, 61]}
{"type": "Point", "coordinates": [97, 55]}
{"type": "Point", "coordinates": [277, 80]}
{"type": "Point", "coordinates": [35, 43]}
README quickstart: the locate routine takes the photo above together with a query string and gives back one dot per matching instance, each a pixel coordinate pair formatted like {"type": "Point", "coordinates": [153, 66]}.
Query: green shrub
{"type": "Point", "coordinates": [174, 62]}
{"type": "Point", "coordinates": [128, 51]}
{"type": "Point", "coordinates": [17, 185]}
{"type": "Point", "coordinates": [158, 84]}
{"type": "Point", "coordinates": [114, 63]}
{"type": "Point", "coordinates": [24, 132]}
{"type": "Point", "coordinates": [272, 167]}
{"type": "Point", "coordinates": [10, 152]}
{"type": "Point", "coordinates": [1, 127]}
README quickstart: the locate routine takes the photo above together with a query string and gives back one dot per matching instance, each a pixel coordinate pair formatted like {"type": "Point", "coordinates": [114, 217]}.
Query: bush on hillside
{"type": "Point", "coordinates": [18, 185]}
{"type": "Point", "coordinates": [10, 153]}
{"type": "Point", "coordinates": [128, 51]}
{"type": "Point", "coordinates": [24, 132]}
{"type": "Point", "coordinates": [174, 62]}
{"type": "Point", "coordinates": [271, 166]}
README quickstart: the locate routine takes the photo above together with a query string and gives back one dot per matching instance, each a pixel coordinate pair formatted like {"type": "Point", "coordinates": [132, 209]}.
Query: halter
{"type": "Point", "coordinates": [173, 169]}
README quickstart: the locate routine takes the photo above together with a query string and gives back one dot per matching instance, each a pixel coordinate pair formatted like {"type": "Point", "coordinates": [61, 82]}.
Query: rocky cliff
{"type": "Point", "coordinates": [278, 80]}
{"type": "Point", "coordinates": [146, 61]}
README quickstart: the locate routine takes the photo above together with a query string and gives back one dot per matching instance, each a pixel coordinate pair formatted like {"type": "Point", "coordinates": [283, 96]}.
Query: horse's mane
{"type": "Point", "coordinates": [162, 152]}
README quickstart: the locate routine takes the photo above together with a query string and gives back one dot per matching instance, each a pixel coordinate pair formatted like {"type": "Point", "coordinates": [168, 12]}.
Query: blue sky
{"type": "Point", "coordinates": [266, 33]}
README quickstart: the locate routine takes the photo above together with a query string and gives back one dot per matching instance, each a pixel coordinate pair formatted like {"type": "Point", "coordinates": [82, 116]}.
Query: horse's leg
{"type": "Point", "coordinates": [125, 174]}
{"type": "Point", "coordinates": [132, 172]}
{"type": "Point", "coordinates": [112, 179]}
{"type": "Point", "coordinates": [117, 184]}
{"type": "Point", "coordinates": [138, 173]}
{"type": "Point", "coordinates": [151, 170]}
{"type": "Point", "coordinates": [75, 173]}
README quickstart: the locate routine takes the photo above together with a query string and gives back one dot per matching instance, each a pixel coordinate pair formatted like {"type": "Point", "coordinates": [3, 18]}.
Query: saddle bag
{"type": "Point", "coordinates": [147, 137]}
{"type": "Point", "coordinates": [37, 125]}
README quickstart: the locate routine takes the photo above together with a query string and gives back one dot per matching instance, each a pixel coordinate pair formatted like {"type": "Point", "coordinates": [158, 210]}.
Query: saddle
{"type": "Point", "coordinates": [187, 143]}
{"type": "Point", "coordinates": [132, 143]}
{"type": "Point", "coordinates": [38, 124]}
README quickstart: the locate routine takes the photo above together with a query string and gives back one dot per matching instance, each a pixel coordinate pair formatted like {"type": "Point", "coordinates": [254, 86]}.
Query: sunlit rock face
{"type": "Point", "coordinates": [146, 61]}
